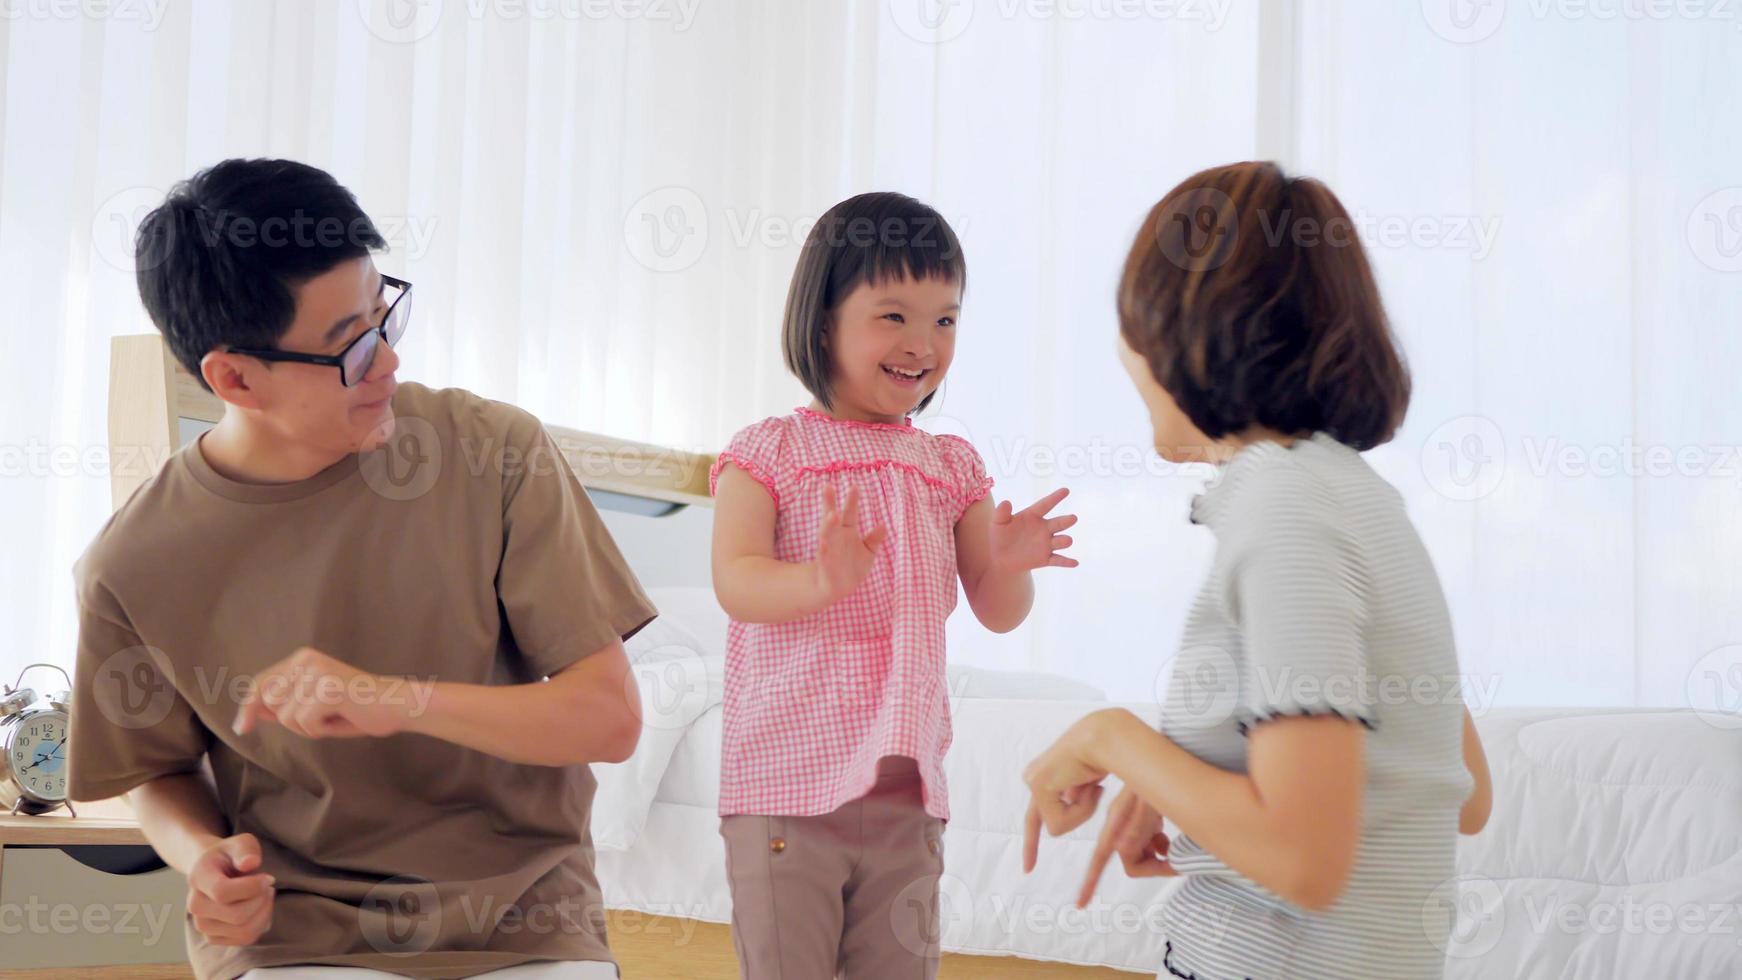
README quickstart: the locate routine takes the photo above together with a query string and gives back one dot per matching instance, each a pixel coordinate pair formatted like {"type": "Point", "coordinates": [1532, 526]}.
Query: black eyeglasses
{"type": "Point", "coordinates": [355, 360]}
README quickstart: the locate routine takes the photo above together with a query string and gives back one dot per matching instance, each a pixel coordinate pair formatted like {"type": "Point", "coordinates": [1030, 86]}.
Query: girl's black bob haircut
{"type": "Point", "coordinates": [872, 238]}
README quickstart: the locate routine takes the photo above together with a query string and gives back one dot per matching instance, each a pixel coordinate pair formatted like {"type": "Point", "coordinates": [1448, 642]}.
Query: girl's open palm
{"type": "Point", "coordinates": [844, 556]}
{"type": "Point", "coordinates": [1028, 539]}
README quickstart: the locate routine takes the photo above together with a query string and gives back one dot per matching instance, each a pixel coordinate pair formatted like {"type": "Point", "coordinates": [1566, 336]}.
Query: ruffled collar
{"type": "Point", "coordinates": [906, 424]}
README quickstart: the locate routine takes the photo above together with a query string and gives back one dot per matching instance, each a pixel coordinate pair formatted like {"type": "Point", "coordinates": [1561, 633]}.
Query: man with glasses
{"type": "Point", "coordinates": [350, 678]}
{"type": "Point", "coordinates": [359, 355]}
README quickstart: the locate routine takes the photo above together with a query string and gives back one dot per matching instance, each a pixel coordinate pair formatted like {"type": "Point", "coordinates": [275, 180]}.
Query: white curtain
{"type": "Point", "coordinates": [1588, 351]}
{"type": "Point", "coordinates": [600, 203]}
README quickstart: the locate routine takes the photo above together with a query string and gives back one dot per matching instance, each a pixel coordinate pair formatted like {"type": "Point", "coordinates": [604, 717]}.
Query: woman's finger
{"type": "Point", "coordinates": [1106, 846]}
{"type": "Point", "coordinates": [1030, 838]}
{"type": "Point", "coordinates": [1152, 862]}
{"type": "Point", "coordinates": [1097, 865]}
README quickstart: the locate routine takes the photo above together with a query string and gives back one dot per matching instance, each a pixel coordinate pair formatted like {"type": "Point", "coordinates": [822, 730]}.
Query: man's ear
{"type": "Point", "coordinates": [231, 376]}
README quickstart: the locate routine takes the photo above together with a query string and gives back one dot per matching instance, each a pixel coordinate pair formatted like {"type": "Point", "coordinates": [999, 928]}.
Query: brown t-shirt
{"type": "Point", "coordinates": [465, 550]}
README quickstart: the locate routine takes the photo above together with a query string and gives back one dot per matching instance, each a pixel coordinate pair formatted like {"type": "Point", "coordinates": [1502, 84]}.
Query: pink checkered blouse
{"type": "Point", "coordinates": [811, 705]}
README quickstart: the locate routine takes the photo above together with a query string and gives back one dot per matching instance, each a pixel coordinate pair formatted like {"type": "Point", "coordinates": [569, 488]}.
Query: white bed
{"type": "Point", "coordinates": [1615, 848]}
{"type": "Point", "coordinates": [1597, 811]}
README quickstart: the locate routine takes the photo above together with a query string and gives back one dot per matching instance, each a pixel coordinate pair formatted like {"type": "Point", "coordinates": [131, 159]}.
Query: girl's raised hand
{"type": "Point", "coordinates": [843, 556]}
{"type": "Point", "coordinates": [1028, 539]}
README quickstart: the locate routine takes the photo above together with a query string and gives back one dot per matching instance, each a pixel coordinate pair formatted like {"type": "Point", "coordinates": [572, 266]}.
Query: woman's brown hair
{"type": "Point", "coordinates": [1249, 295]}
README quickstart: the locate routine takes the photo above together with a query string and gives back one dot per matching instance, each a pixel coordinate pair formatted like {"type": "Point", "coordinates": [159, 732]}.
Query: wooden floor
{"type": "Point", "coordinates": [180, 972]}
{"type": "Point", "coordinates": [654, 948]}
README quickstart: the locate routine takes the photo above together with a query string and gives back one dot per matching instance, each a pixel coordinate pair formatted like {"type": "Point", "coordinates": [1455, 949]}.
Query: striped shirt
{"type": "Point", "coordinates": [1321, 599]}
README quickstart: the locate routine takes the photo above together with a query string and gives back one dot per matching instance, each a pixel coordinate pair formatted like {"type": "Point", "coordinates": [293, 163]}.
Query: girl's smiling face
{"type": "Point", "coordinates": [890, 345]}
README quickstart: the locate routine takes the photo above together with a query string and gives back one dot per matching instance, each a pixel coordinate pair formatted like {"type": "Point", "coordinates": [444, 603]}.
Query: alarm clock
{"type": "Point", "coordinates": [33, 751]}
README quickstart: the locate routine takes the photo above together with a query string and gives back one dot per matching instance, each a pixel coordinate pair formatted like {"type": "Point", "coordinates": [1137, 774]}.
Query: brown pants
{"type": "Point", "coordinates": [850, 894]}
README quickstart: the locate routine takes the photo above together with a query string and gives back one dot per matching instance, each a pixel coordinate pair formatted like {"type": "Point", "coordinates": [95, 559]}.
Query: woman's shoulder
{"type": "Point", "coordinates": [1315, 484]}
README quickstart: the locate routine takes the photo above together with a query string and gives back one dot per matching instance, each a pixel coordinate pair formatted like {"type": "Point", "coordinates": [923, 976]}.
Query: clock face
{"type": "Point", "coordinates": [38, 753]}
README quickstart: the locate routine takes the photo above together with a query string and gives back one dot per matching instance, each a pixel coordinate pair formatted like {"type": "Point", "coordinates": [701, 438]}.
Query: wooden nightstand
{"type": "Point", "coordinates": [60, 918]}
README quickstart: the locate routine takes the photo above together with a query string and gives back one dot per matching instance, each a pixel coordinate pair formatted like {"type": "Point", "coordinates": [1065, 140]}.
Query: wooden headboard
{"type": "Point", "coordinates": [150, 394]}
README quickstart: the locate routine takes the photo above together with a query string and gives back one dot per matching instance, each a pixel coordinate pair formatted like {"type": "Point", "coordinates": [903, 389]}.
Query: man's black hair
{"type": "Point", "coordinates": [218, 261]}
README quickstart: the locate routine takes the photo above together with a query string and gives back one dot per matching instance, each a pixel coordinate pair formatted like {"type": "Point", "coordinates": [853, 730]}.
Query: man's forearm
{"type": "Point", "coordinates": [545, 723]}
{"type": "Point", "coordinates": [179, 815]}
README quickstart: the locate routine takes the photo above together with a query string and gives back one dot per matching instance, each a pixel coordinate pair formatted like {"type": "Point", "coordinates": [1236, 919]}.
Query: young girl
{"type": "Point", "coordinates": [839, 533]}
{"type": "Point", "coordinates": [1314, 753]}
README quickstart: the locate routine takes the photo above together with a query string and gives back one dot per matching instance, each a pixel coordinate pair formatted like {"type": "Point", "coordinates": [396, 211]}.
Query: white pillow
{"type": "Point", "coordinates": [678, 677]}
{"type": "Point", "coordinates": [687, 614]}
{"type": "Point", "coordinates": [979, 682]}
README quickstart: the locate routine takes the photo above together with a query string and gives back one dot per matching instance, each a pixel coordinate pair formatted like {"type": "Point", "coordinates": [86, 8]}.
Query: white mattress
{"type": "Point", "coordinates": [1615, 849]}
